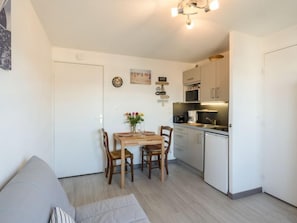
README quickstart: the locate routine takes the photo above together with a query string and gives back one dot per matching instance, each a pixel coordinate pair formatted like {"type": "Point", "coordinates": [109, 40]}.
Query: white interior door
{"type": "Point", "coordinates": [280, 126]}
{"type": "Point", "coordinates": [78, 112]}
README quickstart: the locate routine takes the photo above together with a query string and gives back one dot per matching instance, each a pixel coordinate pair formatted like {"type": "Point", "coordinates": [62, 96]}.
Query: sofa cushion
{"type": "Point", "coordinates": [122, 209]}
{"type": "Point", "coordinates": [31, 195]}
{"type": "Point", "coordinates": [60, 216]}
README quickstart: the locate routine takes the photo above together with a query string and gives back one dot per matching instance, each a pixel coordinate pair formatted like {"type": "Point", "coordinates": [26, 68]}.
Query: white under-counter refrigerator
{"type": "Point", "coordinates": [216, 161]}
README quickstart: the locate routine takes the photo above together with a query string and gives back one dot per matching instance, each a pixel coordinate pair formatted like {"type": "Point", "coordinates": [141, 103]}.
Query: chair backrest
{"type": "Point", "coordinates": [106, 143]}
{"type": "Point", "coordinates": [166, 132]}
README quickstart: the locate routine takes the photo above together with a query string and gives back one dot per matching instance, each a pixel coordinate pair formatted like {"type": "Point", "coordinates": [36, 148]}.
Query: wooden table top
{"type": "Point", "coordinates": [139, 138]}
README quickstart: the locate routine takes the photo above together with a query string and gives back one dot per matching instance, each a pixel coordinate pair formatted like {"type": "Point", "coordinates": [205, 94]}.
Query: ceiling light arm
{"type": "Point", "coordinates": [195, 4]}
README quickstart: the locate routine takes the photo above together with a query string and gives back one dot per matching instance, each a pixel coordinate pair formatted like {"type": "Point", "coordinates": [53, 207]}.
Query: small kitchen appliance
{"type": "Point", "coordinates": [192, 93]}
{"type": "Point", "coordinates": [179, 119]}
{"type": "Point", "coordinates": [192, 116]}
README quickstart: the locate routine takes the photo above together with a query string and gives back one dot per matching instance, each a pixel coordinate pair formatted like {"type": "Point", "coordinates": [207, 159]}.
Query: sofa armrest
{"type": "Point", "coordinates": [31, 195]}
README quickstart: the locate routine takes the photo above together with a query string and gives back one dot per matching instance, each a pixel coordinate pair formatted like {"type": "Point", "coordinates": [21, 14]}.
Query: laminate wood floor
{"type": "Point", "coordinates": [183, 197]}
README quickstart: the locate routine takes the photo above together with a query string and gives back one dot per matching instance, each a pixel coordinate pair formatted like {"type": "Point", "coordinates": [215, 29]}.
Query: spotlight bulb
{"type": "Point", "coordinates": [214, 5]}
{"type": "Point", "coordinates": [174, 12]}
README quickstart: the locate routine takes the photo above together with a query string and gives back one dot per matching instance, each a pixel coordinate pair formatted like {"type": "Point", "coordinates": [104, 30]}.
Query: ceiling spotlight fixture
{"type": "Point", "coordinates": [192, 7]}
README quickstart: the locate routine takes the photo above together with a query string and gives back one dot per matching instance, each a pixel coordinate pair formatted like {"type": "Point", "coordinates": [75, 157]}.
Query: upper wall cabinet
{"type": "Point", "coordinates": [192, 76]}
{"type": "Point", "coordinates": [215, 80]}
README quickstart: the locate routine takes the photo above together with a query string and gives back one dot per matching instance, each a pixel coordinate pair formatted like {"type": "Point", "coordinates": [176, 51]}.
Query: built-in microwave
{"type": "Point", "coordinates": [192, 95]}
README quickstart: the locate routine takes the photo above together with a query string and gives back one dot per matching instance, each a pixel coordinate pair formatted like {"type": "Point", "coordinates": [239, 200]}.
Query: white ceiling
{"type": "Point", "coordinates": [145, 28]}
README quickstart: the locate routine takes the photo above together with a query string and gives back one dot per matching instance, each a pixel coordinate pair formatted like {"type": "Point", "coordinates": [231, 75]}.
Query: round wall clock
{"type": "Point", "coordinates": [117, 81]}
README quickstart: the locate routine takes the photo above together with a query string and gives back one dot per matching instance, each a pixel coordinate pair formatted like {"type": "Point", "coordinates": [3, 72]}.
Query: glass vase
{"type": "Point", "coordinates": [133, 128]}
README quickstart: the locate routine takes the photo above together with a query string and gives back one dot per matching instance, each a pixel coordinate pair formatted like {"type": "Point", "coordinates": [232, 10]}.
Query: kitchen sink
{"type": "Point", "coordinates": [210, 126]}
{"type": "Point", "coordinates": [220, 127]}
{"type": "Point", "coordinates": [200, 125]}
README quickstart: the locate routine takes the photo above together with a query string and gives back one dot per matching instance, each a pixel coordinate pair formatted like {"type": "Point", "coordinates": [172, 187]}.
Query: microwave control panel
{"type": "Point", "coordinates": [192, 87]}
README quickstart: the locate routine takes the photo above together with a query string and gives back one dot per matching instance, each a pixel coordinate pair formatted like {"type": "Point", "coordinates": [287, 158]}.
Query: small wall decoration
{"type": "Point", "coordinates": [117, 81]}
{"type": "Point", "coordinates": [5, 34]}
{"type": "Point", "coordinates": [138, 76]}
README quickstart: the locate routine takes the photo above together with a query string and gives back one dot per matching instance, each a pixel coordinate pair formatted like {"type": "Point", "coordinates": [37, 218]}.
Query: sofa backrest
{"type": "Point", "coordinates": [31, 195]}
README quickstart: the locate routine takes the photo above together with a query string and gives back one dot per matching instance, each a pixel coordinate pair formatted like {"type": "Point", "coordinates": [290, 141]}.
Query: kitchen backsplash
{"type": "Point", "coordinates": [221, 116]}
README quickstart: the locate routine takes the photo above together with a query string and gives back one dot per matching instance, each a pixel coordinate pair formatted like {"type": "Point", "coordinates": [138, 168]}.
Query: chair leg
{"type": "Point", "coordinates": [110, 172]}
{"type": "Point", "coordinates": [142, 154]}
{"type": "Point", "coordinates": [150, 164]}
{"type": "Point", "coordinates": [159, 161]}
{"type": "Point", "coordinates": [107, 168]}
{"type": "Point", "coordinates": [166, 164]}
{"type": "Point", "coordinates": [131, 168]}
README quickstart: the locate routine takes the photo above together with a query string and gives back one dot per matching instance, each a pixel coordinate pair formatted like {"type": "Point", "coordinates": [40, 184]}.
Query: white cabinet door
{"type": "Point", "coordinates": [216, 161]}
{"type": "Point", "coordinates": [180, 143]}
{"type": "Point", "coordinates": [222, 79]}
{"type": "Point", "coordinates": [215, 80]}
{"type": "Point", "coordinates": [78, 110]}
{"type": "Point", "coordinates": [189, 146]}
{"type": "Point", "coordinates": [207, 82]}
{"type": "Point", "coordinates": [196, 148]}
{"type": "Point", "coordinates": [192, 76]}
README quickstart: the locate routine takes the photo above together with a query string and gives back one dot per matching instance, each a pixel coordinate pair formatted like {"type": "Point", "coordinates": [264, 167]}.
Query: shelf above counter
{"type": "Point", "coordinates": [162, 83]}
{"type": "Point", "coordinates": [207, 110]}
{"type": "Point", "coordinates": [160, 91]}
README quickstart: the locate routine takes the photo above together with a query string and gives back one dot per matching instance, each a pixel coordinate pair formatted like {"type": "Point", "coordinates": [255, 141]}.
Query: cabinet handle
{"type": "Point", "coordinates": [199, 138]}
{"type": "Point", "coordinates": [212, 93]}
{"type": "Point", "coordinates": [216, 92]}
{"type": "Point", "coordinates": [178, 149]}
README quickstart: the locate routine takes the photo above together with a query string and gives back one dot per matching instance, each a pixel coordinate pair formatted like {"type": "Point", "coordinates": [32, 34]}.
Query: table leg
{"type": "Point", "coordinates": [114, 144]}
{"type": "Point", "coordinates": [122, 165]}
{"type": "Point", "coordinates": [162, 161]}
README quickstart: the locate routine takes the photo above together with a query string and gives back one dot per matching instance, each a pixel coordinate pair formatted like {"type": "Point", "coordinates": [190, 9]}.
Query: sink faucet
{"type": "Point", "coordinates": [212, 121]}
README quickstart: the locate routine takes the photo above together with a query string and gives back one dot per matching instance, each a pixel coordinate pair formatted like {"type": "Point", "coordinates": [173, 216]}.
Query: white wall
{"type": "Point", "coordinates": [246, 105]}
{"type": "Point", "coordinates": [245, 112]}
{"type": "Point", "coordinates": [281, 39]}
{"type": "Point", "coordinates": [279, 133]}
{"type": "Point", "coordinates": [26, 91]}
{"type": "Point", "coordinates": [25, 94]}
{"type": "Point", "coordinates": [132, 97]}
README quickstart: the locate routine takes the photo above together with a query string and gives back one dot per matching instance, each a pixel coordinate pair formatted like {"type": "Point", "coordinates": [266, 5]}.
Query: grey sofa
{"type": "Point", "coordinates": [33, 193]}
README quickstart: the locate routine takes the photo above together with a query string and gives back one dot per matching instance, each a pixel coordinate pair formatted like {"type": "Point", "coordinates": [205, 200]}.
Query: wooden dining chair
{"type": "Point", "coordinates": [113, 156]}
{"type": "Point", "coordinates": [151, 154]}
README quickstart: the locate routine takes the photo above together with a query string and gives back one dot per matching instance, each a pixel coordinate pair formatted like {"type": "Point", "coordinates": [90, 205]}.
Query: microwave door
{"type": "Point", "coordinates": [192, 95]}
{"type": "Point", "coordinates": [188, 96]}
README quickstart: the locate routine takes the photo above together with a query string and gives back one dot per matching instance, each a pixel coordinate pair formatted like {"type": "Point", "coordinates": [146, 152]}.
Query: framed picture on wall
{"type": "Point", "coordinates": [5, 34]}
{"type": "Point", "coordinates": [139, 76]}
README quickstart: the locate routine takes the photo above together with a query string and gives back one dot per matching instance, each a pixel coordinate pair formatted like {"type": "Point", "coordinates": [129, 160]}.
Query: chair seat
{"type": "Point", "coordinates": [152, 147]}
{"type": "Point", "coordinates": [154, 150]}
{"type": "Point", "coordinates": [117, 154]}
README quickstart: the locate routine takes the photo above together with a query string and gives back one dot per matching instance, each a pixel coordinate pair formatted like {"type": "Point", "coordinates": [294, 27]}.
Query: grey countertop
{"type": "Point", "coordinates": [219, 129]}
